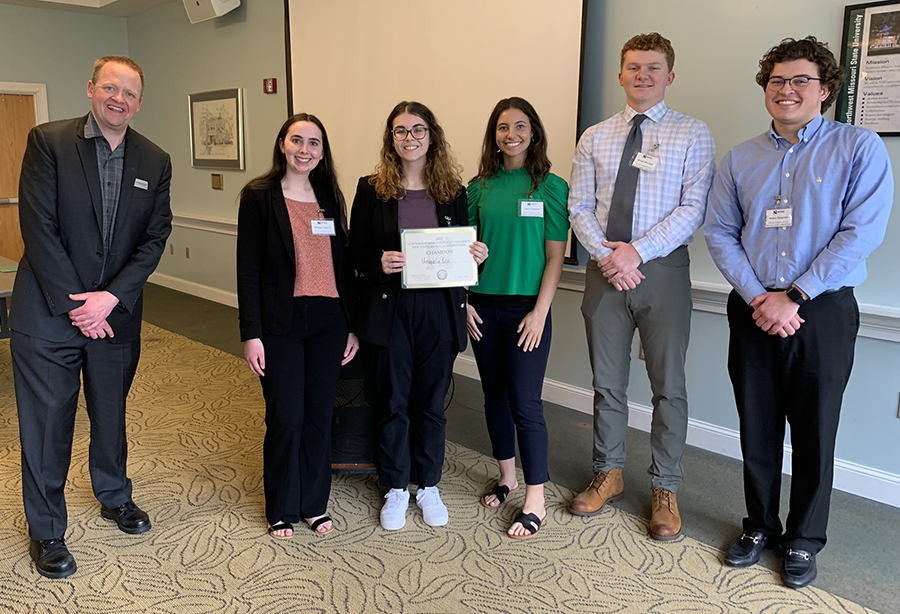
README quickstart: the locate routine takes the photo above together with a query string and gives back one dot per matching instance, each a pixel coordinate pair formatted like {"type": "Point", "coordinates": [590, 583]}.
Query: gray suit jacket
{"type": "Point", "coordinates": [61, 214]}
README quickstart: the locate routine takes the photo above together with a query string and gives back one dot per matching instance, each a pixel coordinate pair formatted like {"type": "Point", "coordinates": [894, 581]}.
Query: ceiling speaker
{"type": "Point", "coordinates": [201, 10]}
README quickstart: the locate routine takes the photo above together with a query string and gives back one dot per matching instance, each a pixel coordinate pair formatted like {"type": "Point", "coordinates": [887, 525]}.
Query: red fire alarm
{"type": "Point", "coordinates": [270, 86]}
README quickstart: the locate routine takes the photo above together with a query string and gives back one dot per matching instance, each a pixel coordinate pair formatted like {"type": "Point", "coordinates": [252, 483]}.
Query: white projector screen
{"type": "Point", "coordinates": [351, 61]}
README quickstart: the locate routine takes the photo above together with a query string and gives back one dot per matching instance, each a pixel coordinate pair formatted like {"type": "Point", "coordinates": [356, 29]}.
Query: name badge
{"type": "Point", "coordinates": [531, 208]}
{"type": "Point", "coordinates": [780, 218]}
{"type": "Point", "coordinates": [644, 162]}
{"type": "Point", "coordinates": [141, 184]}
{"type": "Point", "coordinates": [323, 227]}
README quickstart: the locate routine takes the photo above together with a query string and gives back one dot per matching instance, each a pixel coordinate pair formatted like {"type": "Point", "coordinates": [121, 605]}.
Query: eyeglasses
{"type": "Point", "coordinates": [418, 132]}
{"type": "Point", "coordinates": [797, 83]}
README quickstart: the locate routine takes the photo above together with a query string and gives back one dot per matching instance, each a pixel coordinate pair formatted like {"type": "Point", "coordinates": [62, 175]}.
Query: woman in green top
{"type": "Point", "coordinates": [519, 208]}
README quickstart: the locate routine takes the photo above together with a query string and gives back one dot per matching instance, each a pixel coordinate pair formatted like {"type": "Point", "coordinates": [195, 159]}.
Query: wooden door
{"type": "Point", "coordinates": [16, 119]}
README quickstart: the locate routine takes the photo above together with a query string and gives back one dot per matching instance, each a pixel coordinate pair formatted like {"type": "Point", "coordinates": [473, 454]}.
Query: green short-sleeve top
{"type": "Point", "coordinates": [516, 259]}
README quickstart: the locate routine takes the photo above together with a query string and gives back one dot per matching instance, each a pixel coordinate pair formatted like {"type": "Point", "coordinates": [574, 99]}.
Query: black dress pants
{"type": "Point", "coordinates": [410, 382]}
{"type": "Point", "coordinates": [301, 376]}
{"type": "Point", "coordinates": [47, 378]}
{"type": "Point", "coordinates": [512, 381]}
{"type": "Point", "coordinates": [800, 379]}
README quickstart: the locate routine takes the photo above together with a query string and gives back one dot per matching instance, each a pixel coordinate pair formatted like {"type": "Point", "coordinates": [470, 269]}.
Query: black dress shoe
{"type": "Point", "coordinates": [130, 518]}
{"type": "Point", "coordinates": [799, 568]}
{"type": "Point", "coordinates": [52, 559]}
{"type": "Point", "coordinates": [746, 549]}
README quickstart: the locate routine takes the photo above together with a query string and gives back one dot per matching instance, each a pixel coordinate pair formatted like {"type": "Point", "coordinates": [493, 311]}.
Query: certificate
{"type": "Point", "coordinates": [438, 257]}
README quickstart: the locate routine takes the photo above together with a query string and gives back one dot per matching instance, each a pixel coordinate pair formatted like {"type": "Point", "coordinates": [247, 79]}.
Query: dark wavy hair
{"type": "Point", "coordinates": [324, 176]}
{"type": "Point", "coordinates": [830, 72]}
{"type": "Point", "coordinates": [442, 173]}
{"type": "Point", "coordinates": [536, 161]}
{"type": "Point", "coordinates": [649, 42]}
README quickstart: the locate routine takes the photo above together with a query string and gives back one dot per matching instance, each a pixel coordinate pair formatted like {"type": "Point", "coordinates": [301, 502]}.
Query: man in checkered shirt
{"type": "Point", "coordinates": [639, 272]}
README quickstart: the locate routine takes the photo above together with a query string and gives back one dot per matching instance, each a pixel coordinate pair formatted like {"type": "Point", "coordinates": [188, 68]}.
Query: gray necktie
{"type": "Point", "coordinates": [621, 209]}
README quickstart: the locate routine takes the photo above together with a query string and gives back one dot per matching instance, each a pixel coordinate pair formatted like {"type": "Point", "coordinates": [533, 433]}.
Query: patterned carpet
{"type": "Point", "coordinates": [195, 427]}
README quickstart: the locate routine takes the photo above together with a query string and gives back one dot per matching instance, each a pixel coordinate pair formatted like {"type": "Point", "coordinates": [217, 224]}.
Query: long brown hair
{"type": "Point", "coordinates": [536, 161]}
{"type": "Point", "coordinates": [323, 176]}
{"type": "Point", "coordinates": [442, 173]}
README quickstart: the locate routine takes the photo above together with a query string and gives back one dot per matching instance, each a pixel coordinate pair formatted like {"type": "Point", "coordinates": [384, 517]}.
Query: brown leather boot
{"type": "Point", "coordinates": [606, 486]}
{"type": "Point", "coordinates": [665, 521]}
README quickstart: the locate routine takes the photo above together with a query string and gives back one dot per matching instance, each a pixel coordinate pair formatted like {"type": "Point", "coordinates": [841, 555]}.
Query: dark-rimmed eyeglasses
{"type": "Point", "coordinates": [418, 132]}
{"type": "Point", "coordinates": [797, 83]}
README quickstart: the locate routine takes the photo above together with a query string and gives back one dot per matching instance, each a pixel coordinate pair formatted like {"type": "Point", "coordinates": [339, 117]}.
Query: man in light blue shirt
{"type": "Point", "coordinates": [792, 217]}
{"type": "Point", "coordinates": [639, 185]}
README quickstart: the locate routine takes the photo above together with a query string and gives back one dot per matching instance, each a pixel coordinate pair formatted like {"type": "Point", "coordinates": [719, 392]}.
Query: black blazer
{"type": "Point", "coordinates": [61, 213]}
{"type": "Point", "coordinates": [265, 263]}
{"type": "Point", "coordinates": [373, 230]}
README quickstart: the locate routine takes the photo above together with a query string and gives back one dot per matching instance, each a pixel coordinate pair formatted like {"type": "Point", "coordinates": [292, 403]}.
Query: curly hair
{"type": "Point", "coordinates": [830, 72]}
{"type": "Point", "coordinates": [442, 173]}
{"type": "Point", "coordinates": [536, 161]}
{"type": "Point", "coordinates": [650, 42]}
{"type": "Point", "coordinates": [323, 175]}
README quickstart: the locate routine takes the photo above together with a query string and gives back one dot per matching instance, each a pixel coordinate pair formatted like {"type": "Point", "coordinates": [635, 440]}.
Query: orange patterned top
{"type": "Point", "coordinates": [312, 253]}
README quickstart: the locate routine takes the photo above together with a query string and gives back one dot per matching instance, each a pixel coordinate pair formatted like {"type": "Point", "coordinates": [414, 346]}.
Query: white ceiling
{"type": "Point", "coordinates": [109, 8]}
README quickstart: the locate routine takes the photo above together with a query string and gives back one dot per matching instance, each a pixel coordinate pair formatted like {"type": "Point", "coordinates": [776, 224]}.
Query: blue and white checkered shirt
{"type": "Point", "coordinates": [670, 201]}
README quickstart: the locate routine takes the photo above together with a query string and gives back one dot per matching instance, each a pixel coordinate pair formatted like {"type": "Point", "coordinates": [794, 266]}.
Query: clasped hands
{"type": "Point", "coordinates": [393, 262]}
{"type": "Point", "coordinates": [776, 314]}
{"type": "Point", "coordinates": [90, 316]}
{"type": "Point", "coordinates": [620, 268]}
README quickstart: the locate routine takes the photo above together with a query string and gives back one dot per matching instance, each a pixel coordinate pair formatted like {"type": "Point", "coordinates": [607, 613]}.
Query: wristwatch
{"type": "Point", "coordinates": [795, 294]}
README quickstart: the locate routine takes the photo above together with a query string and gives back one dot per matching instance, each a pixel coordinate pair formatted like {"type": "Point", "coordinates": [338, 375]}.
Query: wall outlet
{"type": "Point", "coordinates": [187, 252]}
{"type": "Point", "coordinates": [171, 249]}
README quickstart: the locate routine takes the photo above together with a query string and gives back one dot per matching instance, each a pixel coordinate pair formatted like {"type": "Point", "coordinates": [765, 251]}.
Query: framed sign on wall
{"type": "Point", "coordinates": [870, 55]}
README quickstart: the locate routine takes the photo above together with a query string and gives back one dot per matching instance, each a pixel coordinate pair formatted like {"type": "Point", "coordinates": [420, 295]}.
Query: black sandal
{"type": "Point", "coordinates": [529, 522]}
{"type": "Point", "coordinates": [281, 526]}
{"type": "Point", "coordinates": [500, 491]}
{"type": "Point", "coordinates": [319, 522]}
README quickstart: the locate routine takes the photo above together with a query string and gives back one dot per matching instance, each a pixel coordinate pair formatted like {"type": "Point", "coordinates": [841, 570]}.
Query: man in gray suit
{"type": "Point", "coordinates": [94, 209]}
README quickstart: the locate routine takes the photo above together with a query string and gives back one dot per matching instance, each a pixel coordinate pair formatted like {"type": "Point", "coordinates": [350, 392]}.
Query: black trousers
{"type": "Point", "coordinates": [410, 379]}
{"type": "Point", "coordinates": [301, 376]}
{"type": "Point", "coordinates": [800, 379]}
{"type": "Point", "coordinates": [47, 381]}
{"type": "Point", "coordinates": [512, 381]}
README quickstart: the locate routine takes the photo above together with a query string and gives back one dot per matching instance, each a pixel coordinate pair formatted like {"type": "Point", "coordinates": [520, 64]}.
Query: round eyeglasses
{"type": "Point", "coordinates": [418, 132]}
{"type": "Point", "coordinates": [797, 83]}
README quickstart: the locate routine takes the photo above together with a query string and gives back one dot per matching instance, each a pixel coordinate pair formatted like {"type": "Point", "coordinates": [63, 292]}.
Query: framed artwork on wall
{"type": "Point", "coordinates": [217, 129]}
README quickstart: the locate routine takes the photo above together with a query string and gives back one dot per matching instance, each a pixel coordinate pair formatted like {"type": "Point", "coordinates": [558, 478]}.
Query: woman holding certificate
{"type": "Point", "coordinates": [295, 282]}
{"type": "Point", "coordinates": [413, 335]}
{"type": "Point", "coordinates": [519, 207]}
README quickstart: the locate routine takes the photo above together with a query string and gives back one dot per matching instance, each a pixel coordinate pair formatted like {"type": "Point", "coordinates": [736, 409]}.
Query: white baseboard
{"type": "Point", "coordinates": [849, 477]}
{"type": "Point", "coordinates": [193, 288]}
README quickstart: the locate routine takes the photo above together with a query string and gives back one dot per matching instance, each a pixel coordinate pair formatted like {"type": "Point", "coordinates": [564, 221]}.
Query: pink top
{"type": "Point", "coordinates": [312, 253]}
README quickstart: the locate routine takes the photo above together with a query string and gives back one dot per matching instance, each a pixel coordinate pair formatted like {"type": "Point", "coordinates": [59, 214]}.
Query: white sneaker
{"type": "Point", "coordinates": [433, 509]}
{"type": "Point", "coordinates": [393, 513]}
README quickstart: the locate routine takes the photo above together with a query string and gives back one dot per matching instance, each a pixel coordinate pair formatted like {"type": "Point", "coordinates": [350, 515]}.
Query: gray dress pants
{"type": "Point", "coordinates": [660, 308]}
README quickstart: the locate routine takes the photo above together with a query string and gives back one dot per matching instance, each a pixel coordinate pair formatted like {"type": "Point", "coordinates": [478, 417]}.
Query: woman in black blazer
{"type": "Point", "coordinates": [295, 296]}
{"type": "Point", "coordinates": [414, 335]}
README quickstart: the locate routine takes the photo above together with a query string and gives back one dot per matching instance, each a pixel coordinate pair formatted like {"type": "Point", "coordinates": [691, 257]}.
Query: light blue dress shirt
{"type": "Point", "coordinates": [670, 200]}
{"type": "Point", "coordinates": [837, 180]}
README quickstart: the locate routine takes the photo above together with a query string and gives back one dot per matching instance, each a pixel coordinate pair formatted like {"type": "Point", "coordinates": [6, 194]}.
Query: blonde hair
{"type": "Point", "coordinates": [443, 176]}
{"type": "Point", "coordinates": [117, 59]}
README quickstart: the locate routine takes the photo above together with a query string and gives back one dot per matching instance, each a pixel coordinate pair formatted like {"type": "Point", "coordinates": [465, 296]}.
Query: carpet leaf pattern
{"type": "Point", "coordinates": [195, 429]}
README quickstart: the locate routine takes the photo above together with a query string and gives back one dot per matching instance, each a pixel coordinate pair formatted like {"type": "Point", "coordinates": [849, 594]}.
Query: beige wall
{"type": "Point", "coordinates": [354, 60]}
